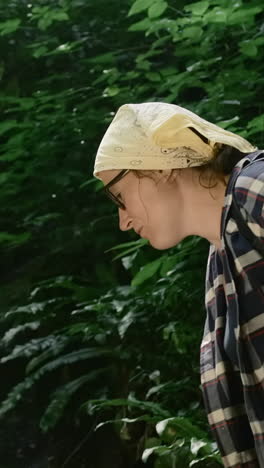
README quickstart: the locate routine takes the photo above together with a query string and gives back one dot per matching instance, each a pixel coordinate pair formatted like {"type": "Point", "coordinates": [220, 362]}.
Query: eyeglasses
{"type": "Point", "coordinates": [113, 197]}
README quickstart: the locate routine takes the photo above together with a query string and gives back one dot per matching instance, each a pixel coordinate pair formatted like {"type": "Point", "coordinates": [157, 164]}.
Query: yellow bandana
{"type": "Point", "coordinates": [155, 135]}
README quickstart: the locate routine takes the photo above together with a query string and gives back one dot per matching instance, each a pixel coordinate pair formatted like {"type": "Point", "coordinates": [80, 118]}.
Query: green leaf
{"type": "Point", "coordinates": [111, 91]}
{"type": "Point", "coordinates": [12, 155]}
{"type": "Point", "coordinates": [96, 182]}
{"type": "Point", "coordinates": [55, 348]}
{"type": "Point", "coordinates": [168, 387]}
{"type": "Point", "coordinates": [61, 397]}
{"type": "Point", "coordinates": [143, 25]}
{"type": "Point", "coordinates": [259, 40]}
{"type": "Point", "coordinates": [33, 347]}
{"type": "Point", "coordinates": [7, 125]}
{"type": "Point", "coordinates": [229, 122]}
{"type": "Point", "coordinates": [44, 23]}
{"type": "Point", "coordinates": [248, 48]}
{"type": "Point", "coordinates": [15, 142]}
{"type": "Point", "coordinates": [61, 16]}
{"type": "Point", "coordinates": [107, 58]}
{"type": "Point", "coordinates": [157, 450]}
{"type": "Point", "coordinates": [65, 48]}
{"type": "Point", "coordinates": [153, 76]}
{"type": "Point", "coordinates": [147, 272]}
{"type": "Point", "coordinates": [75, 356]}
{"type": "Point", "coordinates": [137, 243]}
{"type": "Point", "coordinates": [40, 51]}
{"type": "Point", "coordinates": [183, 427]}
{"type": "Point", "coordinates": [154, 408]}
{"type": "Point", "coordinates": [12, 333]}
{"type": "Point", "coordinates": [46, 16]}
{"type": "Point", "coordinates": [157, 9]}
{"type": "Point", "coordinates": [9, 26]}
{"type": "Point", "coordinates": [32, 309]}
{"type": "Point", "coordinates": [192, 32]}
{"type": "Point", "coordinates": [13, 240]}
{"type": "Point", "coordinates": [198, 8]}
{"type": "Point", "coordinates": [26, 103]}
{"type": "Point", "coordinates": [125, 323]}
{"type": "Point", "coordinates": [146, 418]}
{"type": "Point", "coordinates": [256, 125]}
{"type": "Point", "coordinates": [244, 15]}
{"type": "Point", "coordinates": [139, 5]}
{"type": "Point", "coordinates": [128, 251]}
{"type": "Point", "coordinates": [40, 10]}
{"type": "Point", "coordinates": [196, 445]}
{"type": "Point", "coordinates": [216, 15]}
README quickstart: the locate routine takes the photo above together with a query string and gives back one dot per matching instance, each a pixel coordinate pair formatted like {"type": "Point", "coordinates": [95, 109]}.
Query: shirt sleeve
{"type": "Point", "coordinates": [249, 195]}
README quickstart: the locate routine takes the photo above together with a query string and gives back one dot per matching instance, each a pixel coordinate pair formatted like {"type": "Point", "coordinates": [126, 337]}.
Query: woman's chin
{"type": "Point", "coordinates": [161, 244]}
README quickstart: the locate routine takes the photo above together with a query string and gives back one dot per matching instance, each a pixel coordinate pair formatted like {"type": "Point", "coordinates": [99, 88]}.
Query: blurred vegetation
{"type": "Point", "coordinates": [100, 333]}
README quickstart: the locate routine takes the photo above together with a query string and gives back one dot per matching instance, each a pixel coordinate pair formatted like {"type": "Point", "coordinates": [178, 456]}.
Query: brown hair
{"type": "Point", "coordinates": [224, 160]}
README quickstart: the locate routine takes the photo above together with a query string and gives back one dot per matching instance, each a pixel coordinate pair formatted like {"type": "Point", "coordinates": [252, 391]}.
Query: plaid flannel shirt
{"type": "Point", "coordinates": [232, 349]}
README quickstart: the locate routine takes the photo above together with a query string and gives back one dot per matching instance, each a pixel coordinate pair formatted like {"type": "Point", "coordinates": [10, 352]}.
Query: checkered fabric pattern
{"type": "Point", "coordinates": [232, 348]}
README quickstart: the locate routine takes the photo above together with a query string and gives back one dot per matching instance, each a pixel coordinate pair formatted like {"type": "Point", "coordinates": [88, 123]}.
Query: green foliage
{"type": "Point", "coordinates": [9, 26]}
{"type": "Point", "coordinates": [185, 453]}
{"type": "Point", "coordinates": [116, 334]}
{"type": "Point", "coordinates": [45, 16]}
{"type": "Point", "coordinates": [60, 398]}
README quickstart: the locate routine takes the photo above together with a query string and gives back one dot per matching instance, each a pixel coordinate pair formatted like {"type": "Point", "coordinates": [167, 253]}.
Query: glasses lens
{"type": "Point", "coordinates": [115, 199]}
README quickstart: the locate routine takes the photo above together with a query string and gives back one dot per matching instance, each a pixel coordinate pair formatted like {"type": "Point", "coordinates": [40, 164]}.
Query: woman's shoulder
{"type": "Point", "coordinates": [254, 168]}
{"type": "Point", "coordinates": [249, 185]}
{"type": "Point", "coordinates": [248, 192]}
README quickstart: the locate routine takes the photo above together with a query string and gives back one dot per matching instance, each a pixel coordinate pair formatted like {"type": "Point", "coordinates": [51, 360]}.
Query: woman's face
{"type": "Point", "coordinates": [153, 206]}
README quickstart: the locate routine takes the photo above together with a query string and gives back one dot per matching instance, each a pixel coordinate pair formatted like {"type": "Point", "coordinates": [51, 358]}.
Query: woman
{"type": "Point", "coordinates": [152, 161]}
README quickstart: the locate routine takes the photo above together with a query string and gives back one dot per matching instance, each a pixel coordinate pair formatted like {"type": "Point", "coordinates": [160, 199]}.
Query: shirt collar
{"type": "Point", "coordinates": [231, 182]}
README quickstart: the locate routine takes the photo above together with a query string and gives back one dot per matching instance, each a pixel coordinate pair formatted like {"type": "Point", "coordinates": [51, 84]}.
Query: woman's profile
{"type": "Point", "coordinates": [173, 174]}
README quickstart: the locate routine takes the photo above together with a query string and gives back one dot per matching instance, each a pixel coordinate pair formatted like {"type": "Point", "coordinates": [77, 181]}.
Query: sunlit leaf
{"type": "Point", "coordinates": [249, 48]}
{"type": "Point", "coordinates": [140, 5]}
{"type": "Point", "coordinates": [196, 445]}
{"type": "Point", "coordinates": [9, 26]}
{"type": "Point", "coordinates": [147, 272]}
{"type": "Point", "coordinates": [216, 15]}
{"type": "Point", "coordinates": [197, 8]}
{"type": "Point", "coordinates": [157, 9]}
{"type": "Point", "coordinates": [142, 25]}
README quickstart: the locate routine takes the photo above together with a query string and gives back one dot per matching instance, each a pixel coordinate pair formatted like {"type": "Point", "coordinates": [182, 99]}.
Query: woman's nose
{"type": "Point", "coordinates": [125, 222]}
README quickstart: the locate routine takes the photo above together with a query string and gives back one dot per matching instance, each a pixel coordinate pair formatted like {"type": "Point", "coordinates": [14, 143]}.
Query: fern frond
{"type": "Point", "coordinates": [93, 405]}
{"type": "Point", "coordinates": [17, 392]}
{"type": "Point", "coordinates": [54, 349]}
{"type": "Point", "coordinates": [13, 332]}
{"type": "Point", "coordinates": [61, 397]}
{"type": "Point", "coordinates": [33, 308]}
{"type": "Point", "coordinates": [33, 347]}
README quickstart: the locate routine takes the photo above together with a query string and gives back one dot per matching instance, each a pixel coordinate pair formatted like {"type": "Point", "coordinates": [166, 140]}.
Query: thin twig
{"type": "Point", "coordinates": [79, 445]}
